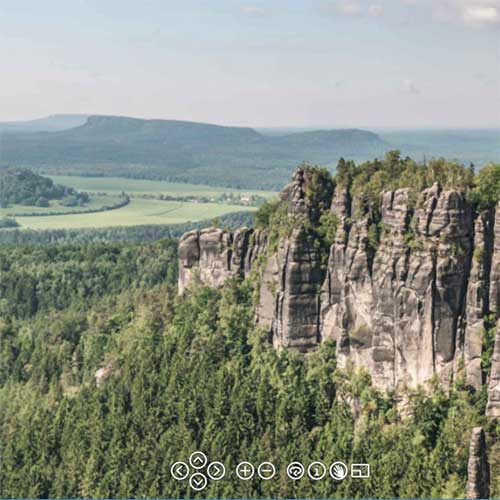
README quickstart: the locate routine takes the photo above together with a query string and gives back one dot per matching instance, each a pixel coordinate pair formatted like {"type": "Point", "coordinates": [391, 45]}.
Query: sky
{"type": "Point", "coordinates": [377, 63]}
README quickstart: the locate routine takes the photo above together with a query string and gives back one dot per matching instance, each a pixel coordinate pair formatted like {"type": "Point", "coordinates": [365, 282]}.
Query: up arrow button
{"type": "Point", "coordinates": [198, 460]}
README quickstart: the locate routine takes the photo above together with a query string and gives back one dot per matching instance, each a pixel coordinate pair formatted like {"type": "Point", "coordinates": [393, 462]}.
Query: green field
{"type": "Point", "coordinates": [112, 185]}
{"type": "Point", "coordinates": [137, 212]}
{"type": "Point", "coordinates": [95, 203]}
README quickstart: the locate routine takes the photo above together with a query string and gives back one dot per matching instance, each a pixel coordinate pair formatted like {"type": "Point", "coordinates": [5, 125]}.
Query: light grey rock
{"type": "Point", "coordinates": [300, 275]}
{"type": "Point", "coordinates": [495, 267]}
{"type": "Point", "coordinates": [493, 406]}
{"type": "Point", "coordinates": [408, 310]}
{"type": "Point", "coordinates": [213, 255]}
{"type": "Point", "coordinates": [478, 470]}
{"type": "Point", "coordinates": [477, 303]}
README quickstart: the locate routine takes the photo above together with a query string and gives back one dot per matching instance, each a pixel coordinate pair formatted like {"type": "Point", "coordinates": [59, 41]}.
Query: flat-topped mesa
{"type": "Point", "coordinates": [407, 304]}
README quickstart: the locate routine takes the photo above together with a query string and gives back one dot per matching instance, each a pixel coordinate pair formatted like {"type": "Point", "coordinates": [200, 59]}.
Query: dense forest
{"type": "Point", "coordinates": [21, 186]}
{"type": "Point", "coordinates": [180, 373]}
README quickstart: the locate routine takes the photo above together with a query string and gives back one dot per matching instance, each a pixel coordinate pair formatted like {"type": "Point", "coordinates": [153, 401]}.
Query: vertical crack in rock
{"type": "Point", "coordinates": [478, 471]}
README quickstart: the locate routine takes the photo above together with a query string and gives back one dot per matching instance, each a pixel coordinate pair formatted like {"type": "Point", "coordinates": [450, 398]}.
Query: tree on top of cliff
{"type": "Point", "coordinates": [486, 192]}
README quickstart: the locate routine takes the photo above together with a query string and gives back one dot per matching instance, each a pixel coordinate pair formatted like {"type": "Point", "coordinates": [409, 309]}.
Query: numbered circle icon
{"type": "Point", "coordinates": [316, 471]}
{"type": "Point", "coordinates": [216, 471]}
{"type": "Point", "coordinates": [338, 471]}
{"type": "Point", "coordinates": [179, 471]}
{"type": "Point", "coordinates": [295, 470]}
{"type": "Point", "coordinates": [198, 460]}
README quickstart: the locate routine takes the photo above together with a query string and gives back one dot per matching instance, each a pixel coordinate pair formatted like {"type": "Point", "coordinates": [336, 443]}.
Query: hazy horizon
{"type": "Point", "coordinates": [351, 63]}
{"type": "Point", "coordinates": [291, 127]}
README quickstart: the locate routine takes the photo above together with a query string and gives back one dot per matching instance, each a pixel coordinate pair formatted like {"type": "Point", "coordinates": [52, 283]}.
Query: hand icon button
{"type": "Point", "coordinates": [338, 471]}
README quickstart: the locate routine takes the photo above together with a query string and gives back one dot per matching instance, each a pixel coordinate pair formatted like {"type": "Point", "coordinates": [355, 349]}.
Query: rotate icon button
{"type": "Point", "coordinates": [295, 470]}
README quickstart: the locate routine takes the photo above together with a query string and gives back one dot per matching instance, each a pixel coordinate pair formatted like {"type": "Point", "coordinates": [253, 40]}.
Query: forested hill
{"type": "Point", "coordinates": [24, 187]}
{"type": "Point", "coordinates": [182, 151]}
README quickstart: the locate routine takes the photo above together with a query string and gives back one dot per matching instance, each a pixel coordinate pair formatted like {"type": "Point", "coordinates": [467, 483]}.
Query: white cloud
{"type": "Point", "coordinates": [481, 15]}
{"type": "Point", "coordinates": [474, 13]}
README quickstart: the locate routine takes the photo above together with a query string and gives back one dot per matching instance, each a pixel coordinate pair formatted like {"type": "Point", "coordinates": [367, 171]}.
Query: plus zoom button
{"type": "Point", "coordinates": [245, 471]}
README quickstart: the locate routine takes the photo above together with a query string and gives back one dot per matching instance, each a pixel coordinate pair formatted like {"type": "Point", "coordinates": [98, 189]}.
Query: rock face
{"type": "Point", "coordinates": [403, 289]}
{"type": "Point", "coordinates": [493, 406]}
{"type": "Point", "coordinates": [213, 255]}
{"type": "Point", "coordinates": [478, 471]}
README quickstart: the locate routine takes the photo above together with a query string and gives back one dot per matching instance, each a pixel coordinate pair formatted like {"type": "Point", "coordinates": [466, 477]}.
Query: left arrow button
{"type": "Point", "coordinates": [179, 471]}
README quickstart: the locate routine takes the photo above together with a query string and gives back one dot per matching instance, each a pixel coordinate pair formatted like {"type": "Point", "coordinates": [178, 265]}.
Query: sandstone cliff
{"type": "Point", "coordinates": [478, 473]}
{"type": "Point", "coordinates": [403, 286]}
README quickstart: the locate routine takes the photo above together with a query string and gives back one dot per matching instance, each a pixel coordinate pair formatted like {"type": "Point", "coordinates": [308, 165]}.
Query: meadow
{"type": "Point", "coordinates": [138, 212]}
{"type": "Point", "coordinates": [95, 203]}
{"type": "Point", "coordinates": [116, 185]}
{"type": "Point", "coordinates": [107, 191]}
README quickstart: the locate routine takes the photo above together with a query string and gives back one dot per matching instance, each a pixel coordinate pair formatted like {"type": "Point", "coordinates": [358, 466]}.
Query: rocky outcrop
{"type": "Point", "coordinates": [403, 289]}
{"type": "Point", "coordinates": [477, 303]}
{"type": "Point", "coordinates": [213, 255]}
{"type": "Point", "coordinates": [399, 317]}
{"type": "Point", "coordinates": [478, 471]}
{"type": "Point", "coordinates": [495, 267]}
{"type": "Point", "coordinates": [493, 406]}
{"type": "Point", "coordinates": [295, 323]}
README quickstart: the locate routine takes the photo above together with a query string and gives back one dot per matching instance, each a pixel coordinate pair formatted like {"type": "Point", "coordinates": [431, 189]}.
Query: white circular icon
{"type": "Point", "coordinates": [198, 481]}
{"type": "Point", "coordinates": [338, 471]}
{"type": "Point", "coordinates": [316, 471]}
{"type": "Point", "coordinates": [245, 471]}
{"type": "Point", "coordinates": [179, 471]}
{"type": "Point", "coordinates": [216, 471]}
{"type": "Point", "coordinates": [198, 460]}
{"type": "Point", "coordinates": [266, 470]}
{"type": "Point", "coordinates": [295, 470]}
